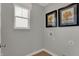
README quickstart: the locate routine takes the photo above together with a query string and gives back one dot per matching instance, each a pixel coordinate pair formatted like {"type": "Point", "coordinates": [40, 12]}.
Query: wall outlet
{"type": "Point", "coordinates": [50, 33]}
{"type": "Point", "coordinates": [71, 42]}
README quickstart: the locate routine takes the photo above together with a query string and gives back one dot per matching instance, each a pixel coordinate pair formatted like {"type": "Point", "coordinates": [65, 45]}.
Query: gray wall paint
{"type": "Point", "coordinates": [0, 28]}
{"type": "Point", "coordinates": [58, 43]}
{"type": "Point", "coordinates": [21, 42]}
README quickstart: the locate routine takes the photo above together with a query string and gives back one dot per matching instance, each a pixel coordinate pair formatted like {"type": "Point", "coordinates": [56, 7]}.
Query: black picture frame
{"type": "Point", "coordinates": [75, 18]}
{"type": "Point", "coordinates": [55, 19]}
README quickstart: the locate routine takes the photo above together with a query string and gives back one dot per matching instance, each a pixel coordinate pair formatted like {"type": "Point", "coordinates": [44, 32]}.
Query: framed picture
{"type": "Point", "coordinates": [51, 19]}
{"type": "Point", "coordinates": [68, 16]}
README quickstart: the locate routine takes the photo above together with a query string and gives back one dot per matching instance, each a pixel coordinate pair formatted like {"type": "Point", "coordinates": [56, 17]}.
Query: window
{"type": "Point", "coordinates": [22, 17]}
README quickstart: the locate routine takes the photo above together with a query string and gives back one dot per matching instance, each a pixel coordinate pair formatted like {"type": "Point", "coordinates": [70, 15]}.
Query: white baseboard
{"type": "Point", "coordinates": [49, 52]}
{"type": "Point", "coordinates": [33, 53]}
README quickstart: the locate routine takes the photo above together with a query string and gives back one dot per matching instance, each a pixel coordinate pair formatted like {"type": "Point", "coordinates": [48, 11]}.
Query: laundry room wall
{"type": "Point", "coordinates": [64, 40]}
{"type": "Point", "coordinates": [21, 42]}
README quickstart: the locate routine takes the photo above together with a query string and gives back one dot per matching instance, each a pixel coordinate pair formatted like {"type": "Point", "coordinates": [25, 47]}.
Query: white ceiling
{"type": "Point", "coordinates": [43, 4]}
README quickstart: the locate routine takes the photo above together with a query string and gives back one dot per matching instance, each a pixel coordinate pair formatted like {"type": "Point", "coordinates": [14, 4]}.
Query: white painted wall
{"type": "Point", "coordinates": [58, 43]}
{"type": "Point", "coordinates": [21, 42]}
{"type": "Point", "coordinates": [0, 28]}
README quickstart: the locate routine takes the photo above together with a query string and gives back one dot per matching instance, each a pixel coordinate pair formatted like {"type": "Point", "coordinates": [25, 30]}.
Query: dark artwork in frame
{"type": "Point", "coordinates": [51, 19]}
{"type": "Point", "coordinates": [68, 16]}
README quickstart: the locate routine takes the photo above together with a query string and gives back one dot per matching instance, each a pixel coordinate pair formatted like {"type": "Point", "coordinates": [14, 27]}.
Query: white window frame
{"type": "Point", "coordinates": [22, 17]}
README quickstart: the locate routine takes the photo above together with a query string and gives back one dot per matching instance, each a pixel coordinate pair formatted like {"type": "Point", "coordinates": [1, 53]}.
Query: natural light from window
{"type": "Point", "coordinates": [21, 17]}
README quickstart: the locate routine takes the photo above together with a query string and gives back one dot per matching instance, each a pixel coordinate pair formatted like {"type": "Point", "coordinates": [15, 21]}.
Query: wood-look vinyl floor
{"type": "Point", "coordinates": [43, 53]}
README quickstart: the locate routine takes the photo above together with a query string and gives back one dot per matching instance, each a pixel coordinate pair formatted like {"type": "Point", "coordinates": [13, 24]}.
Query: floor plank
{"type": "Point", "coordinates": [43, 53]}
